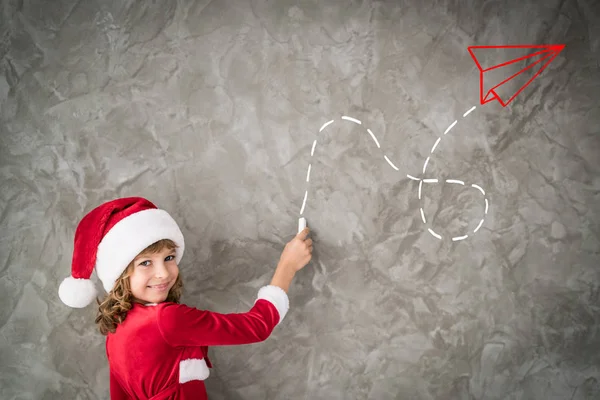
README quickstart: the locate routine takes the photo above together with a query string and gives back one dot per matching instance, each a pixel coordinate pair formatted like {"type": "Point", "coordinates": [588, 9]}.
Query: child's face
{"type": "Point", "coordinates": [153, 276]}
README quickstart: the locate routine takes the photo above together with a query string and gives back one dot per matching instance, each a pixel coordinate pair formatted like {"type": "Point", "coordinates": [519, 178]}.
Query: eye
{"type": "Point", "coordinates": [145, 263]}
{"type": "Point", "coordinates": [170, 258]}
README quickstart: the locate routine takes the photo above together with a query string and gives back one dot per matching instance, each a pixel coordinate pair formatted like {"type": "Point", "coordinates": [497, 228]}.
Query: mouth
{"type": "Point", "coordinates": [161, 287]}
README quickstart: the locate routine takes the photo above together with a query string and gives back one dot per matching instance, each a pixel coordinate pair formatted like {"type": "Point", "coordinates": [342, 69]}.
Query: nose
{"type": "Point", "coordinates": [160, 270]}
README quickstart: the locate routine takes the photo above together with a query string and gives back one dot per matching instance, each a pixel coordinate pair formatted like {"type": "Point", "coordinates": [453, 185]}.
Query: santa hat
{"type": "Point", "coordinates": [108, 238]}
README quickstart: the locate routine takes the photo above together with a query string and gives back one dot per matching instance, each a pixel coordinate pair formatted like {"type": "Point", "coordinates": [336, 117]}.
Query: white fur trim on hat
{"type": "Point", "coordinates": [124, 241]}
{"type": "Point", "coordinates": [77, 293]}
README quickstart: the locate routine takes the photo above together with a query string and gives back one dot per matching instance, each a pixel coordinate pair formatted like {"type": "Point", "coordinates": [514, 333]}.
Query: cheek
{"type": "Point", "coordinates": [174, 270]}
{"type": "Point", "coordinates": [138, 282]}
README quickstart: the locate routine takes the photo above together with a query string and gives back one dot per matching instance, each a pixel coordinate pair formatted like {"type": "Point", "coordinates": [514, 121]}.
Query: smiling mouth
{"type": "Point", "coordinates": [160, 287]}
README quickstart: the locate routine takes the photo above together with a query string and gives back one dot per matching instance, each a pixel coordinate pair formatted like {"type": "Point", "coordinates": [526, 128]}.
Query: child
{"type": "Point", "coordinates": [157, 348]}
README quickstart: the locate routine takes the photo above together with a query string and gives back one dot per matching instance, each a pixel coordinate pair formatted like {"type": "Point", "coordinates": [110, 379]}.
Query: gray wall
{"type": "Point", "coordinates": [210, 109]}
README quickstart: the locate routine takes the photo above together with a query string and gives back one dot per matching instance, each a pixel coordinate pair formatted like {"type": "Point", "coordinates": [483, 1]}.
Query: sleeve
{"type": "Point", "coordinates": [181, 325]}
{"type": "Point", "coordinates": [116, 391]}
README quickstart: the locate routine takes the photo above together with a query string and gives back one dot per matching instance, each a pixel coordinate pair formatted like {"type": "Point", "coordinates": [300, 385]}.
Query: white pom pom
{"type": "Point", "coordinates": [77, 293]}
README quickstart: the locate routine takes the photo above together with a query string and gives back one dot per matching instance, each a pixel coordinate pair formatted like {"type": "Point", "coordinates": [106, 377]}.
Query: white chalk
{"type": "Point", "coordinates": [450, 127]}
{"type": "Point", "coordinates": [479, 226]}
{"type": "Point", "coordinates": [389, 162]}
{"type": "Point", "coordinates": [434, 234]}
{"type": "Point", "coordinates": [325, 125]}
{"type": "Point", "coordinates": [351, 119]}
{"type": "Point", "coordinates": [435, 144]}
{"type": "Point", "coordinates": [304, 202]}
{"type": "Point", "coordinates": [425, 165]}
{"type": "Point", "coordinates": [479, 188]}
{"type": "Point", "coordinates": [457, 238]}
{"type": "Point", "coordinates": [374, 138]}
{"type": "Point", "coordinates": [468, 112]}
{"type": "Point", "coordinates": [301, 224]}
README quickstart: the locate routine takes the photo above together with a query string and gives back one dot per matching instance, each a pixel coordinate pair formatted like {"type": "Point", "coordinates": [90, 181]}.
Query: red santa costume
{"type": "Point", "coordinates": [160, 351]}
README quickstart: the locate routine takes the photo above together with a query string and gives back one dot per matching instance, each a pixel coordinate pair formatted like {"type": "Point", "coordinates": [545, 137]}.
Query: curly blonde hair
{"type": "Point", "coordinates": [113, 309]}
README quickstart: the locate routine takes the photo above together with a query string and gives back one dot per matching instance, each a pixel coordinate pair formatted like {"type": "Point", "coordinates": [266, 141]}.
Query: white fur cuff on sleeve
{"type": "Point", "coordinates": [276, 296]}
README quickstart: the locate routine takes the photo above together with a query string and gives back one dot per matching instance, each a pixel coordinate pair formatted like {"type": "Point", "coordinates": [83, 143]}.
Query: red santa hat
{"type": "Point", "coordinates": [108, 238]}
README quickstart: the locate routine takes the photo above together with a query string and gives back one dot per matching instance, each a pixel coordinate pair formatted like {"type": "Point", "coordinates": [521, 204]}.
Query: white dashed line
{"type": "Point", "coordinates": [478, 188]}
{"type": "Point", "coordinates": [325, 125]}
{"type": "Point", "coordinates": [434, 234]}
{"type": "Point", "coordinates": [374, 138]}
{"type": "Point", "coordinates": [429, 180]}
{"type": "Point", "coordinates": [304, 202]}
{"type": "Point", "coordinates": [352, 119]}
{"type": "Point", "coordinates": [435, 144]}
{"type": "Point", "coordinates": [469, 112]}
{"type": "Point", "coordinates": [389, 162]}
{"type": "Point", "coordinates": [478, 226]}
{"type": "Point", "coordinates": [425, 165]}
{"type": "Point", "coordinates": [450, 127]}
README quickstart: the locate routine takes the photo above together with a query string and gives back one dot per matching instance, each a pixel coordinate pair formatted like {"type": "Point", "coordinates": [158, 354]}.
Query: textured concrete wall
{"type": "Point", "coordinates": [210, 109]}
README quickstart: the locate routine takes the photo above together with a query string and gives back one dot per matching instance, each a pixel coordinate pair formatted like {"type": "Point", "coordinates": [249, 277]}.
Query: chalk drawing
{"type": "Point", "coordinates": [414, 178]}
{"type": "Point", "coordinates": [544, 53]}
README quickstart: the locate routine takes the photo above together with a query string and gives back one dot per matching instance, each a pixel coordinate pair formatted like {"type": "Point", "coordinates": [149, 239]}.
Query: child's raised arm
{"type": "Point", "coordinates": [181, 325]}
{"type": "Point", "coordinates": [296, 254]}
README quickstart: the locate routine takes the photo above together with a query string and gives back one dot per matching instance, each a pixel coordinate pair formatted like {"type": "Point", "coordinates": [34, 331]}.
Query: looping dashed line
{"type": "Point", "coordinates": [421, 180]}
{"type": "Point", "coordinates": [450, 181]}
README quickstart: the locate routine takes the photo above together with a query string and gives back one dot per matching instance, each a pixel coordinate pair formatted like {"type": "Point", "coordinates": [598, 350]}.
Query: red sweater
{"type": "Point", "coordinates": [160, 351]}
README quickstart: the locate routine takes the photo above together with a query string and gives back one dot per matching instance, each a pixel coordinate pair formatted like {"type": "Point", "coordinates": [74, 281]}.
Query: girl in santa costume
{"type": "Point", "coordinates": [157, 349]}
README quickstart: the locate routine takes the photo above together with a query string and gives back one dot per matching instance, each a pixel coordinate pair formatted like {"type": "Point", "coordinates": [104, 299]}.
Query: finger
{"type": "Point", "coordinates": [303, 233]}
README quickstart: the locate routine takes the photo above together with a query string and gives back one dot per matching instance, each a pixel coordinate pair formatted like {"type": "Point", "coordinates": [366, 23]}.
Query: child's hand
{"type": "Point", "coordinates": [297, 252]}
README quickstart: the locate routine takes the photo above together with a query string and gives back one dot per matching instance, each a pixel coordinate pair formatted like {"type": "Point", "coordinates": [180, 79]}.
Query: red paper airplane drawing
{"type": "Point", "coordinates": [544, 56]}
